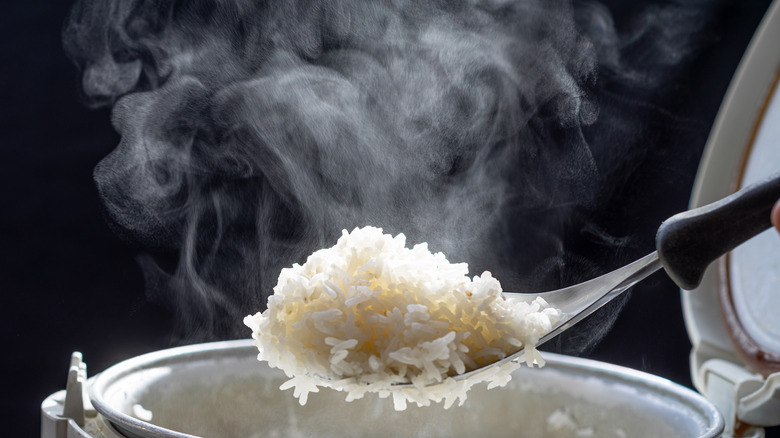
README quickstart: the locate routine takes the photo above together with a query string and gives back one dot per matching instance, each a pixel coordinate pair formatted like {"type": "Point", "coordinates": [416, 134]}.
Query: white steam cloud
{"type": "Point", "coordinates": [254, 131]}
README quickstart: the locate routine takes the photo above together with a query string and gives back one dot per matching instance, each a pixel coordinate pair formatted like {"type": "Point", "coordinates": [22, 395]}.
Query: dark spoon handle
{"type": "Point", "coordinates": [688, 242]}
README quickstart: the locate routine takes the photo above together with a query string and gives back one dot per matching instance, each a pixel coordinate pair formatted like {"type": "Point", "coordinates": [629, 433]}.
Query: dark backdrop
{"type": "Point", "coordinates": [69, 284]}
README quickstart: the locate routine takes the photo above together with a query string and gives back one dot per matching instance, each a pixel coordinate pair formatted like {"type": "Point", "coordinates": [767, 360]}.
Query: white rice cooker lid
{"type": "Point", "coordinates": [732, 318]}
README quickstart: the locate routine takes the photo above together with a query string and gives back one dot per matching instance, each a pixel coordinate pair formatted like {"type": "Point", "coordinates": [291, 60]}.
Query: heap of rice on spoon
{"type": "Point", "coordinates": [369, 313]}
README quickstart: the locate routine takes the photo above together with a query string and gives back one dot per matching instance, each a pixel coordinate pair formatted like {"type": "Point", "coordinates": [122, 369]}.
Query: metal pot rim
{"type": "Point", "coordinates": [133, 427]}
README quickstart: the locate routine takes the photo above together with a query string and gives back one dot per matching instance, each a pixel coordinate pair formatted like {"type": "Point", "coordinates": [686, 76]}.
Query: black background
{"type": "Point", "coordinates": [69, 284]}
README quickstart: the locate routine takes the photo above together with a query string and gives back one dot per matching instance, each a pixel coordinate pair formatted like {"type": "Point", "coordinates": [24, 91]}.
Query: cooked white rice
{"type": "Point", "coordinates": [142, 413]}
{"type": "Point", "coordinates": [369, 313]}
{"type": "Point", "coordinates": [562, 423]}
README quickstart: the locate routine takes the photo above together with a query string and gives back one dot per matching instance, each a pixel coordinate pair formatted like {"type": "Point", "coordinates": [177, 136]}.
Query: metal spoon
{"type": "Point", "coordinates": [686, 244]}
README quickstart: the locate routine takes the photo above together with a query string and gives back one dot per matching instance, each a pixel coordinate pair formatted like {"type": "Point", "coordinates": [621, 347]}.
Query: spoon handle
{"type": "Point", "coordinates": [689, 241]}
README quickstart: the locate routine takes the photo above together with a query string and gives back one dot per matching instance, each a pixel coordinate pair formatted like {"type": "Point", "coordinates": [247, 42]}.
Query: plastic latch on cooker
{"type": "Point", "coordinates": [65, 413]}
{"type": "Point", "coordinates": [741, 395]}
{"type": "Point", "coordinates": [75, 390]}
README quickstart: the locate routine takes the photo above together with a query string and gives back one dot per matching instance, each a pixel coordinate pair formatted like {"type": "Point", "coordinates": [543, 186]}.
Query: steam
{"type": "Point", "coordinates": [253, 132]}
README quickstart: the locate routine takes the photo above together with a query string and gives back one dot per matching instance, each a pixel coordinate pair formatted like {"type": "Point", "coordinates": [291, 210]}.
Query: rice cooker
{"type": "Point", "coordinates": [221, 390]}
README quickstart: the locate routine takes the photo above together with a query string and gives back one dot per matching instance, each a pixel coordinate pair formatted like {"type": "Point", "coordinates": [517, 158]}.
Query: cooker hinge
{"type": "Point", "coordinates": [742, 397]}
